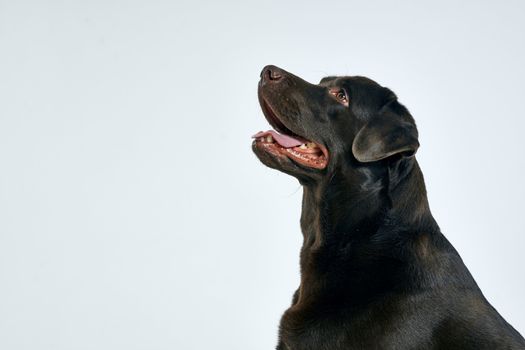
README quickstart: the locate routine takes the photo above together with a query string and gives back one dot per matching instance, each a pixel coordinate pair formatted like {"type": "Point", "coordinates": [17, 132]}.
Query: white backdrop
{"type": "Point", "coordinates": [133, 214]}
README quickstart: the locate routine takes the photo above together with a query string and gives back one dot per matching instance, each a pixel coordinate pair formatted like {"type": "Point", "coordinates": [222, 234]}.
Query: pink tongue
{"type": "Point", "coordinates": [283, 140]}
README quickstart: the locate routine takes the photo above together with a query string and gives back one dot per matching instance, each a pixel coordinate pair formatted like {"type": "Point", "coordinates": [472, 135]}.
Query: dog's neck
{"type": "Point", "coordinates": [364, 211]}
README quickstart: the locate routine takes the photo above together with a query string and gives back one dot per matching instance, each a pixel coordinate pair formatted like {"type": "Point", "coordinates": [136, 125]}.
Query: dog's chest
{"type": "Point", "coordinates": [336, 332]}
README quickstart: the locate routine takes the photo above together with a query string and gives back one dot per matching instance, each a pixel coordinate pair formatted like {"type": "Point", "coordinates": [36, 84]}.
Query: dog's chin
{"type": "Point", "coordinates": [272, 158]}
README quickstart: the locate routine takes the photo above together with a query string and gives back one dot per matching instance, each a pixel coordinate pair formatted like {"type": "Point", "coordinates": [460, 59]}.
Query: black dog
{"type": "Point", "coordinates": [376, 272]}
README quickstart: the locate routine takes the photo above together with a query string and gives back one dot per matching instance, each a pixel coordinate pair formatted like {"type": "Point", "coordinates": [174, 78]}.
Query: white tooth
{"type": "Point", "coordinates": [303, 146]}
{"type": "Point", "coordinates": [269, 138]}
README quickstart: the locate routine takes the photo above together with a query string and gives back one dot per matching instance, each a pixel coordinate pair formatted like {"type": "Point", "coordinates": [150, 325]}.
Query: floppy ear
{"type": "Point", "coordinates": [383, 137]}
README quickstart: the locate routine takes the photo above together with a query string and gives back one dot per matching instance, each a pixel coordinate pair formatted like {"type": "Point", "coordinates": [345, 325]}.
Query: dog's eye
{"type": "Point", "coordinates": [340, 95]}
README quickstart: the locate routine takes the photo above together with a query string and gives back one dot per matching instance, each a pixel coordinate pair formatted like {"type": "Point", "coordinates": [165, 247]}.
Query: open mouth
{"type": "Point", "coordinates": [284, 142]}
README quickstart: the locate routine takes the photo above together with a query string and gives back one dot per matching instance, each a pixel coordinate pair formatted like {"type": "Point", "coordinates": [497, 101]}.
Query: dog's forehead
{"type": "Point", "coordinates": [327, 81]}
{"type": "Point", "coordinates": [349, 81]}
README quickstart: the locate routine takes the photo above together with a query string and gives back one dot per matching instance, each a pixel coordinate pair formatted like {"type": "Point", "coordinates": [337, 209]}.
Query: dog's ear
{"type": "Point", "coordinates": [385, 136]}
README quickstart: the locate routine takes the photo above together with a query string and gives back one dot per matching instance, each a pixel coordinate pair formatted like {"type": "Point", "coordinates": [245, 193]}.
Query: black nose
{"type": "Point", "coordinates": [272, 74]}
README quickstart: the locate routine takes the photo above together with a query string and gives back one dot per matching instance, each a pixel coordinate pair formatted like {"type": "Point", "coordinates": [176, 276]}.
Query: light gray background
{"type": "Point", "coordinates": [133, 214]}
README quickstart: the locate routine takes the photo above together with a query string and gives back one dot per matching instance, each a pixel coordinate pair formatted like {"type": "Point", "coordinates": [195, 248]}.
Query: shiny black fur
{"type": "Point", "coordinates": [376, 272]}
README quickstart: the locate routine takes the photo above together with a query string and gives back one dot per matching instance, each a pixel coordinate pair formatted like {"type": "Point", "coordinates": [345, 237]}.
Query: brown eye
{"type": "Point", "coordinates": [340, 95]}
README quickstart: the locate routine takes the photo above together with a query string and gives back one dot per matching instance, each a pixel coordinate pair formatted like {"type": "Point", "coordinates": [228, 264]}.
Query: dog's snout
{"type": "Point", "coordinates": [272, 74]}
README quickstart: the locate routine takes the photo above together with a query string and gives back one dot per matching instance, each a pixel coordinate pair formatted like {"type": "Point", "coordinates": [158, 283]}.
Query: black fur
{"type": "Point", "coordinates": [376, 272]}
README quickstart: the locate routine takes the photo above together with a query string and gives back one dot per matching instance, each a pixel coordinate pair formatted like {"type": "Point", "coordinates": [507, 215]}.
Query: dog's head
{"type": "Point", "coordinates": [341, 123]}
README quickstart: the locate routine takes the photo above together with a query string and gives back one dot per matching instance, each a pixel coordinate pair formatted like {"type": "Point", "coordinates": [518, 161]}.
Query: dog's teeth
{"type": "Point", "coordinates": [269, 138]}
{"type": "Point", "coordinates": [303, 146]}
